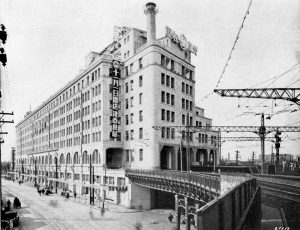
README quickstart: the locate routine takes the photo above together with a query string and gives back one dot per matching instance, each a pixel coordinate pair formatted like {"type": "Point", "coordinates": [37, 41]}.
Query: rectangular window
{"type": "Point", "coordinates": [126, 120]}
{"type": "Point", "coordinates": [131, 101]}
{"type": "Point", "coordinates": [141, 115]}
{"type": "Point", "coordinates": [163, 114]}
{"type": "Point", "coordinates": [163, 96]}
{"type": "Point", "coordinates": [183, 119]}
{"type": "Point", "coordinates": [168, 115]}
{"type": "Point", "coordinates": [168, 99]}
{"type": "Point", "coordinates": [183, 103]}
{"type": "Point", "coordinates": [131, 85]}
{"type": "Point", "coordinates": [172, 99]}
{"type": "Point", "coordinates": [131, 134]}
{"type": "Point", "coordinates": [168, 133]}
{"type": "Point", "coordinates": [140, 63]}
{"type": "Point", "coordinates": [186, 88]}
{"type": "Point", "coordinates": [183, 87]}
{"type": "Point", "coordinates": [172, 133]}
{"type": "Point", "coordinates": [126, 103]}
{"type": "Point", "coordinates": [141, 155]}
{"type": "Point", "coordinates": [140, 81]}
{"type": "Point", "coordinates": [191, 90]}
{"type": "Point", "coordinates": [127, 135]}
{"type": "Point", "coordinates": [162, 78]}
{"type": "Point", "coordinates": [140, 98]}
{"type": "Point", "coordinates": [126, 69]}
{"type": "Point", "coordinates": [191, 105]}
{"type": "Point", "coordinates": [163, 132]}
{"type": "Point", "coordinates": [131, 68]}
{"type": "Point", "coordinates": [131, 118]}
{"type": "Point", "coordinates": [168, 80]}
{"type": "Point", "coordinates": [126, 87]}
{"type": "Point", "coordinates": [141, 133]}
{"type": "Point", "coordinates": [172, 116]}
{"type": "Point", "coordinates": [172, 83]}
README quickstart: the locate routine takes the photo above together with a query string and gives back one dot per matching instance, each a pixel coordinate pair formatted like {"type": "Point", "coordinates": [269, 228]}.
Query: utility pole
{"type": "Point", "coordinates": [188, 143]}
{"type": "Point", "coordinates": [262, 135]}
{"type": "Point", "coordinates": [3, 60]}
{"type": "Point", "coordinates": [253, 155]}
{"type": "Point", "coordinates": [237, 157]}
{"type": "Point", "coordinates": [277, 146]}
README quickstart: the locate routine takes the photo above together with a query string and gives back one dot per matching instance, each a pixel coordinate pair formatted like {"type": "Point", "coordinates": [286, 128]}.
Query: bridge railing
{"type": "Point", "coordinates": [233, 210]}
{"type": "Point", "coordinates": [206, 181]}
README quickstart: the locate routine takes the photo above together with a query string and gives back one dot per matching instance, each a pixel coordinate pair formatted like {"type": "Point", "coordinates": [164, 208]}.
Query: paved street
{"type": "Point", "coordinates": [56, 212]}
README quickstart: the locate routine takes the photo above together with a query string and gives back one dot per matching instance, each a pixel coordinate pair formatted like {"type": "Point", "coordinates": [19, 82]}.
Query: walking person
{"type": "Point", "coordinates": [8, 205]}
{"type": "Point", "coordinates": [170, 217]}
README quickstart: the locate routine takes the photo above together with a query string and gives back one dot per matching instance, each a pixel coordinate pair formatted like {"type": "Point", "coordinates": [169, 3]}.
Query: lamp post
{"type": "Point", "coordinates": [104, 191]}
{"type": "Point", "coordinates": [92, 181]}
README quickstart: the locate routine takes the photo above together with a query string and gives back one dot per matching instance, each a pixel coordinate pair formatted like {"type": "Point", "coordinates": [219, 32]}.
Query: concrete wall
{"type": "Point", "coordinates": [229, 181]}
{"type": "Point", "coordinates": [140, 197]}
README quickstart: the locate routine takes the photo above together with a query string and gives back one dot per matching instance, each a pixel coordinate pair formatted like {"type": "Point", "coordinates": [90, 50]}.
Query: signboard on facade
{"type": "Point", "coordinates": [181, 40]}
{"type": "Point", "coordinates": [115, 73]}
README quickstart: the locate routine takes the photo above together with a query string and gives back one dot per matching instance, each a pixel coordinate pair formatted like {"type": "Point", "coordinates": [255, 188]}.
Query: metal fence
{"type": "Point", "coordinates": [194, 185]}
{"type": "Point", "coordinates": [233, 210]}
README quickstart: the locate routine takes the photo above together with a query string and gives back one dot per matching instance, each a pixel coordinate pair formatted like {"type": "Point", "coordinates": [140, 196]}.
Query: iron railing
{"type": "Point", "coordinates": [198, 186]}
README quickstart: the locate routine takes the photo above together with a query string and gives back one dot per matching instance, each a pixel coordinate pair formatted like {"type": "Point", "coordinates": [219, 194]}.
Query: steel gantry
{"type": "Point", "coordinates": [262, 131]}
{"type": "Point", "coordinates": [288, 94]}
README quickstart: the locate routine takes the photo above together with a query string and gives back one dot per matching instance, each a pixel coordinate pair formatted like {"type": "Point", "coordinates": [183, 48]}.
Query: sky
{"type": "Point", "coordinates": [48, 41]}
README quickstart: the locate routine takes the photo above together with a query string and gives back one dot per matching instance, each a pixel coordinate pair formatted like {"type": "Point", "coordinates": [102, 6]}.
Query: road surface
{"type": "Point", "coordinates": [56, 212]}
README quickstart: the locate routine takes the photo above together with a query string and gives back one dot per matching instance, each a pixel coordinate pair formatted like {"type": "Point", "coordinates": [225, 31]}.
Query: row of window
{"type": "Point", "coordinates": [186, 104]}
{"type": "Point", "coordinates": [130, 157]}
{"type": "Point", "coordinates": [131, 100]}
{"type": "Point", "coordinates": [186, 88]}
{"type": "Point", "coordinates": [167, 98]}
{"type": "Point", "coordinates": [175, 67]}
{"type": "Point", "coordinates": [130, 84]}
{"type": "Point", "coordinates": [65, 96]}
{"type": "Point", "coordinates": [129, 134]}
{"type": "Point", "coordinates": [131, 69]}
{"type": "Point", "coordinates": [167, 133]}
{"type": "Point", "coordinates": [167, 115]}
{"type": "Point", "coordinates": [132, 116]}
{"type": "Point", "coordinates": [167, 81]}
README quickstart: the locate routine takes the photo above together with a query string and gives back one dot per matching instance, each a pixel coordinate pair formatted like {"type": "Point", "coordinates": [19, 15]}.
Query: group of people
{"type": "Point", "coordinates": [192, 221]}
{"type": "Point", "coordinates": [7, 206]}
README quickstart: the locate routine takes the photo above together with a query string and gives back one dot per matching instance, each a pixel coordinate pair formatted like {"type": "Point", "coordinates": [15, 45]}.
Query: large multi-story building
{"type": "Point", "coordinates": [103, 119]}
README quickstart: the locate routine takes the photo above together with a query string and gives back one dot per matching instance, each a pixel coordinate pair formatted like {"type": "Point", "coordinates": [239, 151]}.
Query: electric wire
{"type": "Point", "coordinates": [232, 49]}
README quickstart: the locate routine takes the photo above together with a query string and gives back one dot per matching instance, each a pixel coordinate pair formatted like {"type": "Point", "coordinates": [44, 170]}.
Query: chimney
{"type": "Point", "coordinates": [151, 11]}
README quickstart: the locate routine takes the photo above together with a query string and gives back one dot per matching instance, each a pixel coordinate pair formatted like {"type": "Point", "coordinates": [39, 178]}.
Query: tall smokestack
{"type": "Point", "coordinates": [151, 11]}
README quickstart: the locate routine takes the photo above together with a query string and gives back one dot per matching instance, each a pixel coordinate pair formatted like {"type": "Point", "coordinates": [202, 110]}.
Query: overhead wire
{"type": "Point", "coordinates": [232, 49]}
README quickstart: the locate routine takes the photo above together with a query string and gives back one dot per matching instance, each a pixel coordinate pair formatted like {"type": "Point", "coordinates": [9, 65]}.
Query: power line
{"type": "Point", "coordinates": [231, 51]}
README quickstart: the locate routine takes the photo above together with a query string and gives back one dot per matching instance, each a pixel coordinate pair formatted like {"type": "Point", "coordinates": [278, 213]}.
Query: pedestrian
{"type": "Point", "coordinates": [17, 203]}
{"type": "Point", "coordinates": [8, 205]}
{"type": "Point", "coordinates": [170, 217]}
{"type": "Point", "coordinates": [39, 191]}
{"type": "Point", "coordinates": [43, 191]}
{"type": "Point", "coordinates": [75, 194]}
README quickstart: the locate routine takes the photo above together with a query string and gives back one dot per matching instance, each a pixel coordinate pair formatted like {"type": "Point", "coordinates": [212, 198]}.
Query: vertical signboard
{"type": "Point", "coordinates": [115, 73]}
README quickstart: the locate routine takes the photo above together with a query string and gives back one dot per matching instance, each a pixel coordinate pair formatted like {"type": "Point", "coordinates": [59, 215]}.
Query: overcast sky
{"type": "Point", "coordinates": [48, 40]}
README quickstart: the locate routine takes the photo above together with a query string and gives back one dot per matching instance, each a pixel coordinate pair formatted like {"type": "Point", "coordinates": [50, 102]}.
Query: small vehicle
{"type": "Point", "coordinates": [48, 192]}
{"type": "Point", "coordinates": [8, 219]}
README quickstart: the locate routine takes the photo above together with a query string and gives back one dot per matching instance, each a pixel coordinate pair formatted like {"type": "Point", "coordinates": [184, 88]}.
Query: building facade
{"type": "Point", "coordinates": [104, 118]}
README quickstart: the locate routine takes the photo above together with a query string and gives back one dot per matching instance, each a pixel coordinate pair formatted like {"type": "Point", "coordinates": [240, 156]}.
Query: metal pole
{"type": "Point", "coordinates": [262, 135]}
{"type": "Point", "coordinates": [56, 176]}
{"type": "Point", "coordinates": [181, 153]}
{"type": "Point", "coordinates": [90, 179]}
{"type": "Point", "coordinates": [188, 143]}
{"type": "Point", "coordinates": [104, 192]}
{"type": "Point", "coordinates": [1, 141]}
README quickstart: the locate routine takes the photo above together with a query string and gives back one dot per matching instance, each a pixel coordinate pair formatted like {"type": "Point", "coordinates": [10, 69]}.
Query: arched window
{"type": "Point", "coordinates": [39, 162]}
{"type": "Point", "coordinates": [68, 158]}
{"type": "Point", "coordinates": [50, 159]}
{"type": "Point", "coordinates": [85, 159]}
{"type": "Point", "coordinates": [75, 158]}
{"type": "Point", "coordinates": [42, 159]}
{"type": "Point", "coordinates": [46, 160]}
{"type": "Point", "coordinates": [96, 157]}
{"type": "Point", "coordinates": [62, 159]}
